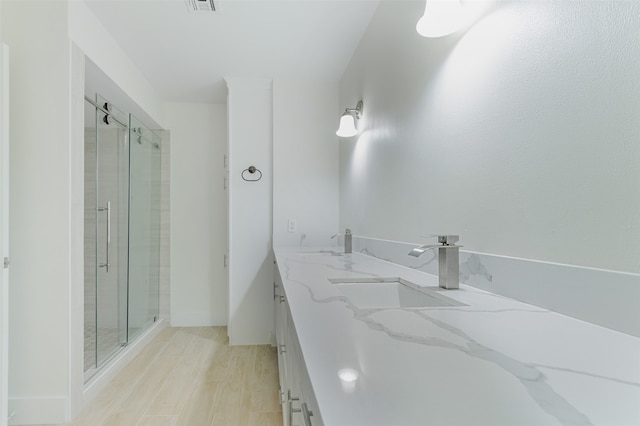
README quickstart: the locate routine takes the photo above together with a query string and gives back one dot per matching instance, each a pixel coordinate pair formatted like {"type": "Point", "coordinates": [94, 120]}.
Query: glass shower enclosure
{"type": "Point", "coordinates": [121, 232]}
{"type": "Point", "coordinates": [144, 228]}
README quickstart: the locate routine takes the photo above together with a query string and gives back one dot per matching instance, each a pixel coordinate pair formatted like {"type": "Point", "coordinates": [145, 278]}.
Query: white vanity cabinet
{"type": "Point", "coordinates": [299, 407]}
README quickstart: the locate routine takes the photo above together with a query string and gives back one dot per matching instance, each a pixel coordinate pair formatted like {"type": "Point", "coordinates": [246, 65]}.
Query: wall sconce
{"type": "Point", "coordinates": [347, 127]}
{"type": "Point", "coordinates": [441, 18]}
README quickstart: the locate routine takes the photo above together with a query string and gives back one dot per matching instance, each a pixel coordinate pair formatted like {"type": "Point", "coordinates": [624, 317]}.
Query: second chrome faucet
{"type": "Point", "coordinates": [348, 244]}
{"type": "Point", "coordinates": [448, 259]}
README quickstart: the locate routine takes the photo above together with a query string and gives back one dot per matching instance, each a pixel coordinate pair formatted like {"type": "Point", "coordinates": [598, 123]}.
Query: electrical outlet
{"type": "Point", "coordinates": [292, 226]}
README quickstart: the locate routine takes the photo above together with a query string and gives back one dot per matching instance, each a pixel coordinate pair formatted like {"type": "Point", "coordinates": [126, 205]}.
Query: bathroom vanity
{"type": "Point", "coordinates": [362, 341]}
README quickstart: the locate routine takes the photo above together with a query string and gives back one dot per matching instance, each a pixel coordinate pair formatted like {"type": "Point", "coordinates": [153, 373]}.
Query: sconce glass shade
{"type": "Point", "coordinates": [441, 18]}
{"type": "Point", "coordinates": [347, 126]}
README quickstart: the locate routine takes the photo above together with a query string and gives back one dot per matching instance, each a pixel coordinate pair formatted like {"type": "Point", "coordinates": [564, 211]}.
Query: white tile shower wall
{"type": "Point", "coordinates": [144, 230]}
{"type": "Point", "coordinates": [89, 231]}
{"type": "Point", "coordinates": [112, 183]}
{"type": "Point", "coordinates": [109, 292]}
{"type": "Point", "coordinates": [607, 298]}
{"type": "Point", "coordinates": [149, 266]}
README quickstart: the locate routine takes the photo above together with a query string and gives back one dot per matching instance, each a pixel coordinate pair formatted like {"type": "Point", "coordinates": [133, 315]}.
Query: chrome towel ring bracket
{"type": "Point", "coordinates": [249, 174]}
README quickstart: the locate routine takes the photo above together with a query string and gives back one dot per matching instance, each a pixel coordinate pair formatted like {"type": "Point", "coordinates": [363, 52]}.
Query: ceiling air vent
{"type": "Point", "coordinates": [201, 6]}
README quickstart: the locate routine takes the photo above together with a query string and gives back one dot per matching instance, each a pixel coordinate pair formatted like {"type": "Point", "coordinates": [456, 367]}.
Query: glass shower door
{"type": "Point", "coordinates": [112, 232]}
{"type": "Point", "coordinates": [144, 227]}
{"type": "Point", "coordinates": [122, 231]}
{"type": "Point", "coordinates": [106, 232]}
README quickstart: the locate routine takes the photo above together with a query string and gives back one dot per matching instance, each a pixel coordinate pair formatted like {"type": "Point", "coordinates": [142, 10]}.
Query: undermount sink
{"type": "Point", "coordinates": [390, 292]}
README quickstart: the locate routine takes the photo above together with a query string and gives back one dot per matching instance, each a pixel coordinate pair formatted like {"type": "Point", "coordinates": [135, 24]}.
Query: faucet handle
{"type": "Point", "coordinates": [444, 239]}
{"type": "Point", "coordinates": [347, 231]}
{"type": "Point", "coordinates": [448, 239]}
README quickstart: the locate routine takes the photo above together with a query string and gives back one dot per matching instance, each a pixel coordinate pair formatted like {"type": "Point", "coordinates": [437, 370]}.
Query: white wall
{"type": "Point", "coordinates": [305, 163]}
{"type": "Point", "coordinates": [520, 134]}
{"type": "Point", "coordinates": [95, 41]}
{"type": "Point", "coordinates": [250, 104]}
{"type": "Point", "coordinates": [40, 209]}
{"type": "Point", "coordinates": [76, 220]}
{"type": "Point", "coordinates": [198, 213]}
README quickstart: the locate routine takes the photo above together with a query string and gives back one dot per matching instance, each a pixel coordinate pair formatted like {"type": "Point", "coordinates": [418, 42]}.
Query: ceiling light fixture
{"type": "Point", "coordinates": [441, 18]}
{"type": "Point", "coordinates": [347, 127]}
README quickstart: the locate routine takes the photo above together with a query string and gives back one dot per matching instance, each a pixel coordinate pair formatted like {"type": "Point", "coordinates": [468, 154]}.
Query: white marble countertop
{"type": "Point", "coordinates": [493, 362]}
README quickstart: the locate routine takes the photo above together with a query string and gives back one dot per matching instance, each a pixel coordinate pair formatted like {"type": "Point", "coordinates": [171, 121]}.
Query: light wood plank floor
{"type": "Point", "coordinates": [191, 377]}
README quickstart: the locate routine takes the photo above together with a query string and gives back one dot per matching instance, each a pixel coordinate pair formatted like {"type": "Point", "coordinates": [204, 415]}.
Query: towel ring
{"type": "Point", "coordinates": [252, 170]}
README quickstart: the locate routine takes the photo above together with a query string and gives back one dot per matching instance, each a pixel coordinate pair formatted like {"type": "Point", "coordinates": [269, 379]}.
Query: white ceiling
{"type": "Point", "coordinates": [185, 55]}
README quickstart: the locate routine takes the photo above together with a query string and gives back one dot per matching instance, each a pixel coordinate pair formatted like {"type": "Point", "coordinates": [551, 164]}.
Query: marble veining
{"type": "Point", "coordinates": [433, 259]}
{"type": "Point", "coordinates": [370, 252]}
{"type": "Point", "coordinates": [457, 331]}
{"type": "Point", "coordinates": [567, 289]}
{"type": "Point", "coordinates": [473, 267]}
{"type": "Point", "coordinates": [530, 377]}
{"type": "Point", "coordinates": [585, 373]}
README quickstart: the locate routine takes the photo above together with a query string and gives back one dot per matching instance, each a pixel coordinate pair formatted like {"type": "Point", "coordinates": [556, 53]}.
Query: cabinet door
{"type": "Point", "coordinates": [294, 394]}
{"type": "Point", "coordinates": [310, 414]}
{"type": "Point", "coordinates": [299, 407]}
{"type": "Point", "coordinates": [282, 321]}
{"type": "Point", "coordinates": [278, 300]}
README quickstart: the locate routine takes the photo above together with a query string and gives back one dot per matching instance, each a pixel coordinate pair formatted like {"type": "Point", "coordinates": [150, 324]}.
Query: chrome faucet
{"type": "Point", "coordinates": [347, 240]}
{"type": "Point", "coordinates": [448, 259]}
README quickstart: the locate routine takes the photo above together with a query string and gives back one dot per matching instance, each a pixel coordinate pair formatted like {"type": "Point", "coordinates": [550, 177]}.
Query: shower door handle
{"type": "Point", "coordinates": [108, 210]}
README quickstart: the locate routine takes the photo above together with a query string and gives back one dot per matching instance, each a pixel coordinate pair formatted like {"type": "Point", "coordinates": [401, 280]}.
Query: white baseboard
{"type": "Point", "coordinates": [37, 410]}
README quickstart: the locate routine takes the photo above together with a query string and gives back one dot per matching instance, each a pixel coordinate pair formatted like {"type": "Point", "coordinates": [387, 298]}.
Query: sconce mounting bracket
{"type": "Point", "coordinates": [357, 110]}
